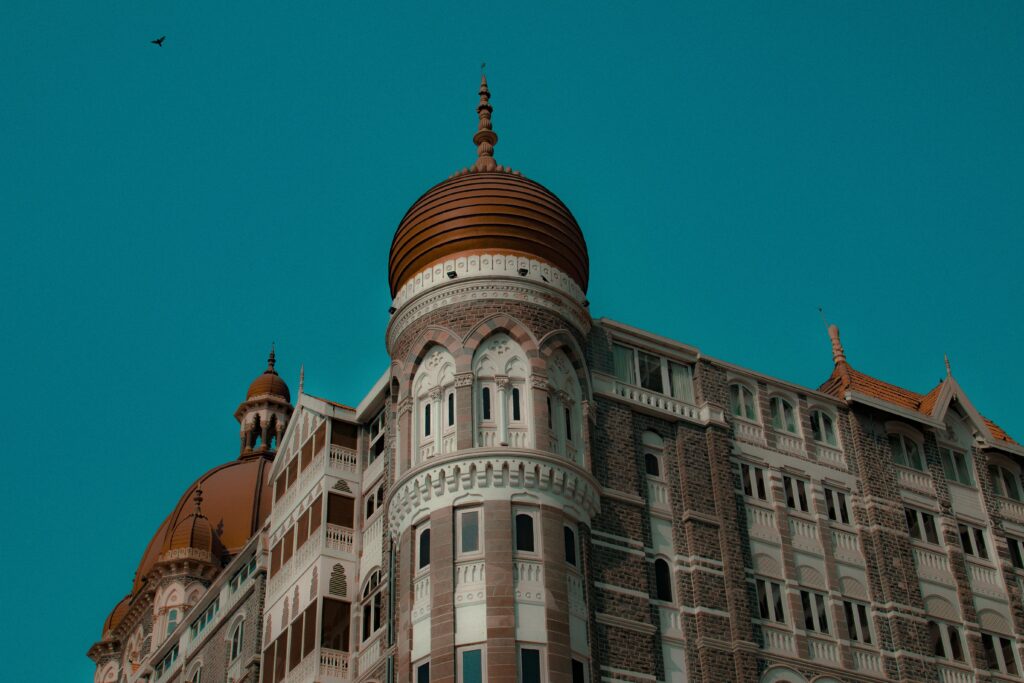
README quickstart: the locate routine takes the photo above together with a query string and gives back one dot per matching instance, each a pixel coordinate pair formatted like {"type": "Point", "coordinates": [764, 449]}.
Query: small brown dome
{"type": "Point", "coordinates": [269, 383]}
{"type": "Point", "coordinates": [484, 211]}
{"type": "Point", "coordinates": [116, 615]}
{"type": "Point", "coordinates": [194, 531]}
{"type": "Point", "coordinates": [487, 208]}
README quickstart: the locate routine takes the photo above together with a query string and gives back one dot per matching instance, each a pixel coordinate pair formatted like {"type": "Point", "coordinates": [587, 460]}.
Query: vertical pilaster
{"type": "Point", "coordinates": [464, 423]}
{"type": "Point", "coordinates": [501, 614]}
{"type": "Point", "coordinates": [557, 594]}
{"type": "Point", "coordinates": [542, 436]}
{"type": "Point", "coordinates": [442, 597]}
{"type": "Point", "coordinates": [403, 601]}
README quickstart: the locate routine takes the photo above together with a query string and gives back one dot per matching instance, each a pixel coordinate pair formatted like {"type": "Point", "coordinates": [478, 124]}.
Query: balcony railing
{"type": "Point", "coordinates": [804, 534]}
{"type": "Point", "coordinates": [778, 639]}
{"type": "Point", "coordinates": [761, 522]}
{"type": "Point", "coordinates": [790, 443]}
{"type": "Point", "coordinates": [933, 565]}
{"type": "Point", "coordinates": [334, 664]}
{"type": "Point", "coordinates": [915, 480]}
{"type": "Point", "coordinates": [370, 654]}
{"type": "Point", "coordinates": [343, 459]}
{"type": "Point", "coordinates": [340, 538]}
{"type": "Point", "coordinates": [749, 432]}
{"type": "Point", "coordinates": [657, 494]}
{"type": "Point", "coordinates": [984, 579]}
{"type": "Point", "coordinates": [659, 401]}
{"type": "Point", "coordinates": [1011, 509]}
{"type": "Point", "coordinates": [822, 650]}
{"type": "Point", "coordinates": [845, 546]}
{"type": "Point", "coordinates": [949, 674]}
{"type": "Point", "coordinates": [867, 660]}
{"type": "Point", "coordinates": [829, 456]}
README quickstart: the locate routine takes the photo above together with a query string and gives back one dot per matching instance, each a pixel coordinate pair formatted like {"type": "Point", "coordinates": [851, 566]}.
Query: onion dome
{"type": "Point", "coordinates": [487, 208]}
{"type": "Point", "coordinates": [269, 383]}
{"type": "Point", "coordinates": [194, 533]}
{"type": "Point", "coordinates": [236, 500]}
{"type": "Point", "coordinates": [116, 616]}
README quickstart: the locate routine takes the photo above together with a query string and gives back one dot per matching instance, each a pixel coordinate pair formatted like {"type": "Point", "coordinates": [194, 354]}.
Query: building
{"type": "Point", "coordinates": [532, 494]}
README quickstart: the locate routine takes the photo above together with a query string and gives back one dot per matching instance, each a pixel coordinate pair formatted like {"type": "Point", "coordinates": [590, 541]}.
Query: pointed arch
{"type": "Point", "coordinates": [564, 340]}
{"type": "Point", "coordinates": [433, 335]}
{"type": "Point", "coordinates": [516, 329]}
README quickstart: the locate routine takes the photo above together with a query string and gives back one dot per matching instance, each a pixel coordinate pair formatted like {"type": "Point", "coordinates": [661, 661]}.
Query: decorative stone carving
{"type": "Point", "coordinates": [464, 379]}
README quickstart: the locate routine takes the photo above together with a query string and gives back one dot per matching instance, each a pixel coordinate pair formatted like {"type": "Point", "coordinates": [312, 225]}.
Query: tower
{"type": "Point", "coordinates": [264, 413]}
{"type": "Point", "coordinates": [491, 488]}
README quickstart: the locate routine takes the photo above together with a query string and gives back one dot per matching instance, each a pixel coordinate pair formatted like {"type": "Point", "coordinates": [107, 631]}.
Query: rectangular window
{"type": "Point", "coordinates": [570, 546]}
{"type": "Point", "coordinates": [835, 501]}
{"type": "Point", "coordinates": [316, 511]}
{"type": "Point", "coordinates": [469, 531]}
{"type": "Point", "coordinates": [622, 357]}
{"type": "Point", "coordinates": [1000, 653]}
{"type": "Point", "coordinates": [753, 481]}
{"type": "Point", "coordinates": [921, 526]}
{"type": "Point", "coordinates": [906, 452]}
{"type": "Point", "coordinates": [955, 467]}
{"type": "Point", "coordinates": [287, 546]}
{"type": "Point", "coordinates": [680, 379]}
{"type": "Point", "coordinates": [796, 493]}
{"type": "Point", "coordinates": [1016, 547]}
{"type": "Point", "coordinates": [579, 671]}
{"type": "Point", "coordinates": [471, 666]}
{"type": "Point", "coordinates": [815, 611]}
{"type": "Point", "coordinates": [516, 410]}
{"type": "Point", "coordinates": [529, 666]}
{"type": "Point", "coordinates": [524, 532]}
{"type": "Point", "coordinates": [972, 539]}
{"type": "Point", "coordinates": [423, 673]}
{"type": "Point", "coordinates": [857, 622]}
{"type": "Point", "coordinates": [769, 600]}
{"type": "Point", "coordinates": [650, 372]}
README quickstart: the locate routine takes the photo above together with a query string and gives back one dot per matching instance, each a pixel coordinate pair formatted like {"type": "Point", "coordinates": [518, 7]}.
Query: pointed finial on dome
{"type": "Point", "coordinates": [198, 498]}
{"type": "Point", "coordinates": [949, 372]}
{"type": "Point", "coordinates": [302, 378]}
{"type": "Point", "coordinates": [271, 359]}
{"type": "Point", "coordinates": [484, 138]}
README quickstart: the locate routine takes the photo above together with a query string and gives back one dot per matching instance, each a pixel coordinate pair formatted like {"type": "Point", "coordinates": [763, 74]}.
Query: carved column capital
{"type": "Point", "coordinates": [502, 382]}
{"type": "Point", "coordinates": [539, 381]}
{"type": "Point", "coordinates": [435, 394]}
{"type": "Point", "coordinates": [464, 379]}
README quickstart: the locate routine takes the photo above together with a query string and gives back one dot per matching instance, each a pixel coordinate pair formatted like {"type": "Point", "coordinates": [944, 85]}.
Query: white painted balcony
{"type": "Point", "coordinates": [333, 665]}
{"type": "Point", "coordinates": [671, 622]}
{"type": "Point", "coordinates": [790, 444]}
{"type": "Point", "coordinates": [304, 671]}
{"type": "Point", "coordinates": [421, 597]}
{"type": "Point", "coordinates": [370, 653]}
{"type": "Point", "coordinates": [1011, 509]}
{"type": "Point", "coordinates": [985, 579]}
{"type": "Point", "coordinates": [342, 460]}
{"type": "Point", "coordinates": [845, 546]}
{"type": "Point", "coordinates": [528, 579]}
{"type": "Point", "coordinates": [950, 674]}
{"type": "Point", "coordinates": [933, 565]}
{"type": "Point", "coordinates": [340, 538]}
{"type": "Point", "coordinates": [915, 480]}
{"type": "Point", "coordinates": [822, 650]}
{"type": "Point", "coordinates": [867, 660]}
{"type": "Point", "coordinates": [829, 456]}
{"type": "Point", "coordinates": [750, 432]}
{"type": "Point", "coordinates": [761, 522]}
{"type": "Point", "coordinates": [804, 534]}
{"type": "Point", "coordinates": [778, 639]}
{"type": "Point", "coordinates": [657, 401]}
{"type": "Point", "coordinates": [658, 495]}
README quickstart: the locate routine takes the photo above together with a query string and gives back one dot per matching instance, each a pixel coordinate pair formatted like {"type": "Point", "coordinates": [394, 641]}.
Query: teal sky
{"type": "Point", "coordinates": [167, 212]}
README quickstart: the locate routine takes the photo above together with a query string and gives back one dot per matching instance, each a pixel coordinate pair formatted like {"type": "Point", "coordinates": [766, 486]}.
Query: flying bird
{"type": "Point", "coordinates": [159, 42]}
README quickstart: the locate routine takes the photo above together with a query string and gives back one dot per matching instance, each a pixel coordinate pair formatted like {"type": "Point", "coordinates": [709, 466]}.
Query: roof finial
{"type": "Point", "coordinates": [838, 354]}
{"type": "Point", "coordinates": [198, 497]}
{"type": "Point", "coordinates": [949, 372]}
{"type": "Point", "coordinates": [484, 138]}
{"type": "Point", "coordinates": [271, 360]}
{"type": "Point", "coordinates": [302, 377]}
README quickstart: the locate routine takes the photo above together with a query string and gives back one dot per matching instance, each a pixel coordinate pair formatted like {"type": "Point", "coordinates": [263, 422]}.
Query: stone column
{"type": "Point", "coordinates": [435, 418]}
{"type": "Point", "coordinates": [464, 422]}
{"type": "Point", "coordinates": [557, 594]}
{"type": "Point", "coordinates": [504, 386]}
{"type": "Point", "coordinates": [403, 601]}
{"type": "Point", "coordinates": [501, 613]}
{"type": "Point", "coordinates": [442, 597]}
{"type": "Point", "coordinates": [404, 442]}
{"type": "Point", "coordinates": [539, 398]}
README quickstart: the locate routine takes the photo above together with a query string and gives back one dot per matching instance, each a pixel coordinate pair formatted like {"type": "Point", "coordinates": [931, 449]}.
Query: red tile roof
{"type": "Point", "coordinates": [844, 378]}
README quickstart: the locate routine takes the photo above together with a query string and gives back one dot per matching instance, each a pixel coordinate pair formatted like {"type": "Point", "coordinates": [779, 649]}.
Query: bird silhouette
{"type": "Point", "coordinates": [159, 42]}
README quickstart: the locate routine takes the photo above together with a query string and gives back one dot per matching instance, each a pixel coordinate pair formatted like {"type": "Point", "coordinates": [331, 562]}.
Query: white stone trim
{"type": "Point", "coordinates": [481, 474]}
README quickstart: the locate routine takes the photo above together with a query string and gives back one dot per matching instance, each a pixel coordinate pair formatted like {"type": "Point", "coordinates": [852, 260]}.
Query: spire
{"type": "Point", "coordinates": [302, 378]}
{"type": "Point", "coordinates": [198, 498]}
{"type": "Point", "coordinates": [949, 372]}
{"type": "Point", "coordinates": [838, 354]}
{"type": "Point", "coordinates": [484, 138]}
{"type": "Point", "coordinates": [271, 359]}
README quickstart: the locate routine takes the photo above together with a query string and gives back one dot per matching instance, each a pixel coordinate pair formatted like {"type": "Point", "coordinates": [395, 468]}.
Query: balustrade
{"type": "Point", "coordinates": [1011, 509]}
{"type": "Point", "coordinates": [804, 534]}
{"type": "Point", "coordinates": [984, 579]}
{"type": "Point", "coordinates": [789, 443]}
{"type": "Point", "coordinates": [658, 401]}
{"type": "Point", "coordinates": [778, 640]}
{"type": "Point", "coordinates": [749, 432]}
{"type": "Point", "coordinates": [867, 660]}
{"type": "Point", "coordinates": [657, 494]}
{"type": "Point", "coordinates": [915, 480]}
{"type": "Point", "coordinates": [333, 664]}
{"type": "Point", "coordinates": [830, 456]}
{"type": "Point", "coordinates": [822, 650]}
{"type": "Point", "coordinates": [933, 565]}
{"type": "Point", "coordinates": [340, 538]}
{"type": "Point", "coordinates": [845, 546]}
{"type": "Point", "coordinates": [370, 654]}
{"type": "Point", "coordinates": [949, 674]}
{"type": "Point", "coordinates": [343, 459]}
{"type": "Point", "coordinates": [761, 522]}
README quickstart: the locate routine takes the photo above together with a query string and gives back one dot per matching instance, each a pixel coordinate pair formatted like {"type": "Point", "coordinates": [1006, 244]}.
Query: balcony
{"type": "Point", "coordinates": [845, 546]}
{"type": "Point", "coordinates": [1011, 509]}
{"type": "Point", "coordinates": [915, 480]}
{"type": "Point", "coordinates": [933, 566]}
{"type": "Point", "coordinates": [950, 674]}
{"type": "Point", "coordinates": [340, 538]}
{"type": "Point", "coordinates": [804, 534]}
{"type": "Point", "coordinates": [778, 639]}
{"type": "Point", "coordinates": [342, 460]}
{"type": "Point", "coordinates": [751, 432]}
{"type": "Point", "coordinates": [867, 660]}
{"type": "Point", "coordinates": [985, 579]}
{"type": "Point", "coordinates": [761, 523]}
{"type": "Point", "coordinates": [829, 456]}
{"type": "Point", "coordinates": [658, 495]}
{"type": "Point", "coordinates": [657, 401]}
{"type": "Point", "coordinates": [822, 650]}
{"type": "Point", "coordinates": [790, 444]}
{"type": "Point", "coordinates": [371, 652]}
{"type": "Point", "coordinates": [333, 665]}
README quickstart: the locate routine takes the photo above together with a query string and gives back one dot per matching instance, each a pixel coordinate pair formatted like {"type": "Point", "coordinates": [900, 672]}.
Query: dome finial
{"type": "Point", "coordinates": [198, 497]}
{"type": "Point", "coordinates": [484, 138]}
{"type": "Point", "coordinates": [271, 359]}
{"type": "Point", "coordinates": [949, 370]}
{"type": "Point", "coordinates": [838, 353]}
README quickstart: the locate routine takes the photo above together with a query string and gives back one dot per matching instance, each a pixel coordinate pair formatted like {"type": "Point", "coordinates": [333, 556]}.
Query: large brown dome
{"type": "Point", "coordinates": [483, 211]}
{"type": "Point", "coordinates": [487, 208]}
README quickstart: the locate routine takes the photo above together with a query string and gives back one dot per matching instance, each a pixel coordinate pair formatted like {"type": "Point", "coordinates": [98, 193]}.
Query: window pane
{"type": "Point", "coordinates": [990, 651]}
{"type": "Point", "coordinates": [931, 535]}
{"type": "Point", "coordinates": [472, 666]}
{"type": "Point", "coordinates": [788, 485]}
{"type": "Point", "coordinates": [979, 544]}
{"type": "Point", "coordinates": [865, 627]}
{"type": "Point", "coordinates": [650, 372]}
{"type": "Point", "coordinates": [780, 614]}
{"type": "Point", "coordinates": [955, 646]}
{"type": "Point", "coordinates": [759, 476]}
{"type": "Point", "coordinates": [426, 420]}
{"type": "Point", "coordinates": [529, 665]}
{"type": "Point", "coordinates": [579, 672]}
{"type": "Point", "coordinates": [947, 465]}
{"type": "Point", "coordinates": [822, 614]}
{"type": "Point", "coordinates": [851, 622]}
{"type": "Point", "coordinates": [485, 400]}
{"type": "Point", "coordinates": [682, 383]}
{"type": "Point", "coordinates": [790, 416]}
{"type": "Point", "coordinates": [451, 409]}
{"type": "Point", "coordinates": [912, 523]}
{"type": "Point", "coordinates": [748, 404]}
{"type": "Point", "coordinates": [623, 359]}
{"type": "Point", "coordinates": [734, 400]}
{"type": "Point", "coordinates": [896, 445]}
{"type": "Point", "coordinates": [424, 549]}
{"type": "Point", "coordinates": [570, 546]}
{"type": "Point", "coordinates": [524, 533]}
{"type": "Point", "coordinates": [830, 504]}
{"type": "Point", "coordinates": [1015, 555]}
{"type": "Point", "coordinates": [776, 414]}
{"type": "Point", "coordinates": [662, 581]}
{"type": "Point", "coordinates": [516, 415]}
{"type": "Point", "coordinates": [423, 673]}
{"type": "Point", "coordinates": [1009, 660]}
{"type": "Point", "coordinates": [801, 489]}
{"type": "Point", "coordinates": [748, 488]}
{"type": "Point", "coordinates": [805, 602]}
{"type": "Point", "coordinates": [965, 539]}
{"type": "Point", "coordinates": [830, 430]}
{"type": "Point", "coordinates": [934, 635]}
{"type": "Point", "coordinates": [762, 599]}
{"type": "Point", "coordinates": [844, 511]}
{"type": "Point", "coordinates": [815, 426]}
{"type": "Point", "coordinates": [913, 454]}
{"type": "Point", "coordinates": [470, 531]}
{"type": "Point", "coordinates": [1012, 485]}
{"type": "Point", "coordinates": [651, 465]}
{"type": "Point", "coordinates": [963, 467]}
{"type": "Point", "coordinates": [997, 481]}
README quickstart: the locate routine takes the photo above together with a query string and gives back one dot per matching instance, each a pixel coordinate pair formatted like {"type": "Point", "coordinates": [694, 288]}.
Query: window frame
{"type": "Point", "coordinates": [960, 469]}
{"type": "Point", "coordinates": [972, 540]}
{"type": "Point", "coordinates": [818, 415]}
{"type": "Point", "coordinates": [758, 478]}
{"type": "Point", "coordinates": [771, 592]}
{"type": "Point", "coordinates": [459, 665]}
{"type": "Point", "coordinates": [737, 405]}
{"type": "Point", "coordinates": [534, 530]}
{"type": "Point", "coordinates": [998, 483]}
{"type": "Point", "coordinates": [798, 490]}
{"type": "Point", "coordinates": [665, 372]}
{"type": "Point", "coordinates": [783, 401]}
{"type": "Point", "coordinates": [459, 513]}
{"type": "Point", "coordinates": [903, 439]}
{"type": "Point", "coordinates": [541, 659]}
{"type": "Point", "coordinates": [423, 530]}
{"type": "Point", "coordinates": [1004, 643]}
{"type": "Point", "coordinates": [670, 586]}
{"type": "Point", "coordinates": [571, 543]}
{"type": "Point", "coordinates": [235, 641]}
{"type": "Point", "coordinates": [815, 620]}
{"type": "Point", "coordinates": [858, 615]}
{"type": "Point", "coordinates": [922, 525]}
{"type": "Point", "coordinates": [837, 506]}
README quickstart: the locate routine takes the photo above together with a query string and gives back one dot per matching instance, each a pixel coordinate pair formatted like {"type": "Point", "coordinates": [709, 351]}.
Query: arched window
{"type": "Point", "coordinates": [823, 428]}
{"type": "Point", "coordinates": [236, 640]}
{"type": "Point", "coordinates": [1005, 478]}
{"type": "Point", "coordinates": [741, 400]}
{"type": "Point", "coordinates": [906, 451]}
{"type": "Point", "coordinates": [662, 580]}
{"type": "Point", "coordinates": [434, 382]}
{"type": "Point", "coordinates": [371, 606]}
{"type": "Point", "coordinates": [197, 674]}
{"type": "Point", "coordinates": [652, 466]}
{"type": "Point", "coordinates": [172, 621]}
{"type": "Point", "coordinates": [424, 550]}
{"type": "Point", "coordinates": [524, 532]}
{"type": "Point", "coordinates": [783, 415]}
{"type": "Point", "coordinates": [502, 411]}
{"type": "Point", "coordinates": [564, 406]}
